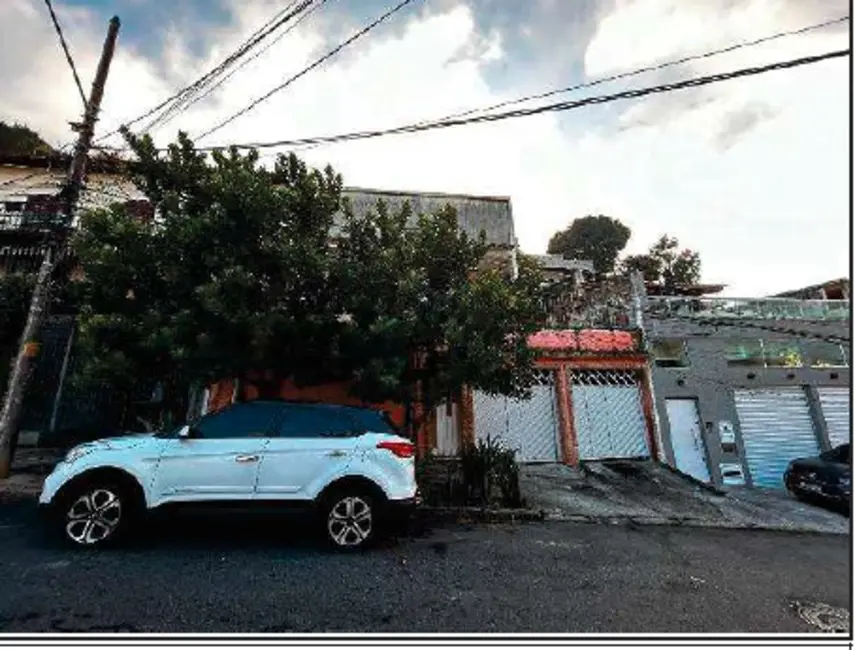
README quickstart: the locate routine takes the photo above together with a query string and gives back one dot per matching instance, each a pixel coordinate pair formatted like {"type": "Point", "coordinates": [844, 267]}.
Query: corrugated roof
{"type": "Point", "coordinates": [492, 214]}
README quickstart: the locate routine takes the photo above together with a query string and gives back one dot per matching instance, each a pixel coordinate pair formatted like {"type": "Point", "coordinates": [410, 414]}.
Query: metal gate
{"type": "Point", "coordinates": [530, 427]}
{"type": "Point", "coordinates": [608, 415]}
{"type": "Point", "coordinates": [776, 428]}
{"type": "Point", "coordinates": [687, 438]}
{"type": "Point", "coordinates": [836, 409]}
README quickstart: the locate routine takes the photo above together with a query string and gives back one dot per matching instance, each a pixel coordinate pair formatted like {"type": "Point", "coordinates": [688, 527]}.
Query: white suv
{"type": "Point", "coordinates": [347, 462]}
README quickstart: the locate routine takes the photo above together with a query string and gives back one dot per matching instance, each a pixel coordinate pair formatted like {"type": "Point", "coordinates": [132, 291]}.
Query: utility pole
{"type": "Point", "coordinates": [40, 302]}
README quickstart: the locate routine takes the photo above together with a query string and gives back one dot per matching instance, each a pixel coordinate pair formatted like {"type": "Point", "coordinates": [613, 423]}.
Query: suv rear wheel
{"type": "Point", "coordinates": [351, 519]}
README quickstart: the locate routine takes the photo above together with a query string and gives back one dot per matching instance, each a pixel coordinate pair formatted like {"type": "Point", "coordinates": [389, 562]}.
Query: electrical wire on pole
{"type": "Point", "coordinates": [25, 360]}
{"type": "Point", "coordinates": [222, 80]}
{"type": "Point", "coordinates": [66, 50]}
{"type": "Point", "coordinates": [525, 112]}
{"type": "Point", "coordinates": [305, 70]}
{"type": "Point", "coordinates": [281, 17]}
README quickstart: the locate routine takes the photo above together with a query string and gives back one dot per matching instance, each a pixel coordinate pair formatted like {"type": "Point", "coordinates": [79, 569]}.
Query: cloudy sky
{"type": "Point", "coordinates": [753, 173]}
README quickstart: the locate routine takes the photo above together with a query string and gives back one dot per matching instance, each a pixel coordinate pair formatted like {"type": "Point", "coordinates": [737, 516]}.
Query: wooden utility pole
{"type": "Point", "coordinates": [39, 304]}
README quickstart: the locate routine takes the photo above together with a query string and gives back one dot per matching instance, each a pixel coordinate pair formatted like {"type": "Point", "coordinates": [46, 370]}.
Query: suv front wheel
{"type": "Point", "coordinates": [351, 519]}
{"type": "Point", "coordinates": [96, 514]}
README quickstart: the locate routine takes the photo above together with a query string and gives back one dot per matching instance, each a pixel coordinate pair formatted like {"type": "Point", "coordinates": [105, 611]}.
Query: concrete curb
{"type": "Point", "coordinates": [689, 522]}
{"type": "Point", "coordinates": [478, 514]}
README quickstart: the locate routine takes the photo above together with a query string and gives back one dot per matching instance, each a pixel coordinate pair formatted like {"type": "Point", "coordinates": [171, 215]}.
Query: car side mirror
{"type": "Point", "coordinates": [185, 432]}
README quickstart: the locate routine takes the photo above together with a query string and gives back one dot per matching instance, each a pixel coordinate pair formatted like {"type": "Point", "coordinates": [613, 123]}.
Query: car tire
{"type": "Point", "coordinates": [97, 514]}
{"type": "Point", "coordinates": [351, 519]}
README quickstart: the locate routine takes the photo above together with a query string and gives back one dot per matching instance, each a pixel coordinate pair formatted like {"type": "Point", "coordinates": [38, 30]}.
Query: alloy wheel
{"type": "Point", "coordinates": [350, 521]}
{"type": "Point", "coordinates": [93, 517]}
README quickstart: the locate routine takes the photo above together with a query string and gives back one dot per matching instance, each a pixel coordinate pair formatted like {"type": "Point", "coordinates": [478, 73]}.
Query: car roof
{"type": "Point", "coordinates": [315, 404]}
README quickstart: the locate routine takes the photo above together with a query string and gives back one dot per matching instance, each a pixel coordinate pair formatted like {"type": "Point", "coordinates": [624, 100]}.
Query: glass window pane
{"type": "Point", "coordinates": [670, 353]}
{"type": "Point", "coordinates": [250, 420]}
{"type": "Point", "coordinates": [315, 422]}
{"type": "Point", "coordinates": [782, 354]}
{"type": "Point", "coordinates": [745, 352]}
{"type": "Point", "coordinates": [823, 354]}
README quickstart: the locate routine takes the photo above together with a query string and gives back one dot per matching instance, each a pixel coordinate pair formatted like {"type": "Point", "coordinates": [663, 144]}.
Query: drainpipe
{"type": "Point", "coordinates": [639, 298]}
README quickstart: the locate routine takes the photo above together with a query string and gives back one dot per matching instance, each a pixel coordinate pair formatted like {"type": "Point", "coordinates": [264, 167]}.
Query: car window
{"type": "Point", "coordinates": [374, 421]}
{"type": "Point", "coordinates": [250, 420]}
{"type": "Point", "coordinates": [309, 422]}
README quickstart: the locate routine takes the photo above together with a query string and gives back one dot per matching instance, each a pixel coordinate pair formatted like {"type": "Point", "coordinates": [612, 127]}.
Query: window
{"type": "Point", "coordinates": [316, 422]}
{"type": "Point", "coordinates": [247, 420]}
{"type": "Point", "coordinates": [373, 421]}
{"type": "Point", "coordinates": [823, 354]}
{"type": "Point", "coordinates": [747, 352]}
{"type": "Point", "coordinates": [14, 206]}
{"type": "Point", "coordinates": [670, 353]}
{"type": "Point", "coordinates": [782, 354]}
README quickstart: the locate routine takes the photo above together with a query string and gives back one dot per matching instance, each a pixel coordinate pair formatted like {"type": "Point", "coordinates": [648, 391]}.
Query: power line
{"type": "Point", "coordinates": [306, 70]}
{"type": "Point", "coordinates": [210, 81]}
{"type": "Point", "coordinates": [67, 51]}
{"type": "Point", "coordinates": [253, 40]}
{"type": "Point", "coordinates": [652, 68]}
{"type": "Point", "coordinates": [556, 107]}
{"type": "Point", "coordinates": [243, 63]}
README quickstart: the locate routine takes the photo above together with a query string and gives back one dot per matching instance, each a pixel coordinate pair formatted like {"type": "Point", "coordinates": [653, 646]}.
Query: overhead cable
{"type": "Point", "coordinates": [556, 107]}
{"type": "Point", "coordinates": [58, 28]}
{"type": "Point", "coordinates": [305, 70]}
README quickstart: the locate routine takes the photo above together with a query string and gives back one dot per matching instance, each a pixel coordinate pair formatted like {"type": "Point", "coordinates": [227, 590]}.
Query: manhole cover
{"type": "Point", "coordinates": [822, 616]}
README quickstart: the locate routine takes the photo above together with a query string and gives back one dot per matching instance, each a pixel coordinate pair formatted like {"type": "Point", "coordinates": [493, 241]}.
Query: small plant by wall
{"type": "Point", "coordinates": [485, 475]}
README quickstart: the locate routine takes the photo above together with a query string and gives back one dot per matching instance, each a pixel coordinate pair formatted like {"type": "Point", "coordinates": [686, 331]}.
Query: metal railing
{"type": "Point", "coordinates": [750, 308]}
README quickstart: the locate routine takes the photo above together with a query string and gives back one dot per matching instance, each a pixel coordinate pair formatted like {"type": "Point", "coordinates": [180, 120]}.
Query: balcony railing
{"type": "Point", "coordinates": [29, 221]}
{"type": "Point", "coordinates": [749, 308]}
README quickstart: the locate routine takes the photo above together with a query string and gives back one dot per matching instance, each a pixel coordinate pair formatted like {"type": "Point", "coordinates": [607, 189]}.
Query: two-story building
{"type": "Point", "coordinates": [744, 385]}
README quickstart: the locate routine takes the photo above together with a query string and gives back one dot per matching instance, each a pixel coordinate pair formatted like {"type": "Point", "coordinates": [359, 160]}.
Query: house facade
{"type": "Point", "coordinates": [743, 386]}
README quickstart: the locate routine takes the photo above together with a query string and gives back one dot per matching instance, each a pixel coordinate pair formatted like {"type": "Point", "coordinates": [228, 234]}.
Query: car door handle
{"type": "Point", "coordinates": [338, 453]}
{"type": "Point", "coordinates": [246, 459]}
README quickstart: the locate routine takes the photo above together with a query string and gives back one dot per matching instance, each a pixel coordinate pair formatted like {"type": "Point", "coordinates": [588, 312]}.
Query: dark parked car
{"type": "Point", "coordinates": [827, 477]}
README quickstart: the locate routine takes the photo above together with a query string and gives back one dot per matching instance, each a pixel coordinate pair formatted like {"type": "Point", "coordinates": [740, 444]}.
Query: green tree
{"type": "Point", "coordinates": [666, 263]}
{"type": "Point", "coordinates": [596, 238]}
{"type": "Point", "coordinates": [18, 140]}
{"type": "Point", "coordinates": [245, 269]}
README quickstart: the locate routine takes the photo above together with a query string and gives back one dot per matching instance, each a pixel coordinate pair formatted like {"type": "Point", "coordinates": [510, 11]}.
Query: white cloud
{"type": "Point", "coordinates": [768, 212]}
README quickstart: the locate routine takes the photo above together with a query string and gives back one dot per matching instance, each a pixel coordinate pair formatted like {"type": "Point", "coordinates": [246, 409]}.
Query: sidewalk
{"type": "Point", "coordinates": [645, 492]}
{"type": "Point", "coordinates": [29, 469]}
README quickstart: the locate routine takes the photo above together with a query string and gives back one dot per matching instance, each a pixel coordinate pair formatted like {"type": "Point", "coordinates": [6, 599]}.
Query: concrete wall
{"type": "Point", "coordinates": [711, 381]}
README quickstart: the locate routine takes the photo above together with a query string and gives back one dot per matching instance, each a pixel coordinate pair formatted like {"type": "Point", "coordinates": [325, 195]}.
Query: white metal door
{"type": "Point", "coordinates": [836, 409]}
{"type": "Point", "coordinates": [687, 438]}
{"type": "Point", "coordinates": [530, 427]}
{"type": "Point", "coordinates": [776, 428]}
{"type": "Point", "coordinates": [491, 419]}
{"type": "Point", "coordinates": [447, 431]}
{"type": "Point", "coordinates": [534, 424]}
{"type": "Point", "coordinates": [608, 415]}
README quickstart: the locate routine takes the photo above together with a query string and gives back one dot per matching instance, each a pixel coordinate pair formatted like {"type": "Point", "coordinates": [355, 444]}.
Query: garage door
{"type": "Point", "coordinates": [836, 409]}
{"type": "Point", "coordinates": [528, 426]}
{"type": "Point", "coordinates": [608, 415]}
{"type": "Point", "coordinates": [776, 428]}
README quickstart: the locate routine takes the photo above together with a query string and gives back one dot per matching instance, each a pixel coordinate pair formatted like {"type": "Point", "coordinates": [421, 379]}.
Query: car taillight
{"type": "Point", "coordinates": [400, 449]}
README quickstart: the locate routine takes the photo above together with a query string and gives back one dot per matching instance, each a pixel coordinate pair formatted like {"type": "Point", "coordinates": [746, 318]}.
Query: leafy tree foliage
{"type": "Point", "coordinates": [666, 263]}
{"type": "Point", "coordinates": [18, 140]}
{"type": "Point", "coordinates": [596, 238]}
{"type": "Point", "coordinates": [247, 269]}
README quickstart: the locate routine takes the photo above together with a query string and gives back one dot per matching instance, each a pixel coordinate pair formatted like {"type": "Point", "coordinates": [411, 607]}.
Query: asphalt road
{"type": "Point", "coordinates": [237, 575]}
